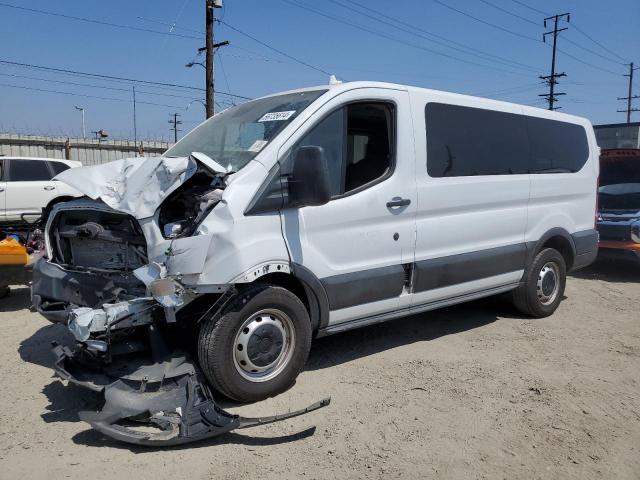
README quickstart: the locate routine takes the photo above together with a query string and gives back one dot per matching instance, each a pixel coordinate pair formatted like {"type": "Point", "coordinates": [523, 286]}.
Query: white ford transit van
{"type": "Point", "coordinates": [304, 214]}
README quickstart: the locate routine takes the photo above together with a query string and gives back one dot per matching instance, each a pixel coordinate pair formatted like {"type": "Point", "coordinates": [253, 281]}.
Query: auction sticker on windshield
{"type": "Point", "coordinates": [257, 146]}
{"type": "Point", "coordinates": [276, 116]}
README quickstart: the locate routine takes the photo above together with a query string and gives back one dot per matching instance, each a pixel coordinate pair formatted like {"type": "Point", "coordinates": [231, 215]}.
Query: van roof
{"type": "Point", "coordinates": [345, 86]}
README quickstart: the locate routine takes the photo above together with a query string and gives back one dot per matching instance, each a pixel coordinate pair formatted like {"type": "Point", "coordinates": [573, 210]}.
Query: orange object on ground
{"type": "Point", "coordinates": [12, 252]}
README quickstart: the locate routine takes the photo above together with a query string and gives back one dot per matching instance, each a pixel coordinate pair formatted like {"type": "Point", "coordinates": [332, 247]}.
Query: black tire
{"type": "Point", "coordinates": [217, 343]}
{"type": "Point", "coordinates": [532, 300]}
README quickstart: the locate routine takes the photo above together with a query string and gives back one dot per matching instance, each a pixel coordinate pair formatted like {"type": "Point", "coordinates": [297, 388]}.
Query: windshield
{"type": "Point", "coordinates": [620, 183]}
{"type": "Point", "coordinates": [233, 137]}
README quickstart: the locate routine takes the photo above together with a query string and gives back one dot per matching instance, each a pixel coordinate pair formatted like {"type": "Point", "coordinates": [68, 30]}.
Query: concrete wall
{"type": "Point", "coordinates": [89, 152]}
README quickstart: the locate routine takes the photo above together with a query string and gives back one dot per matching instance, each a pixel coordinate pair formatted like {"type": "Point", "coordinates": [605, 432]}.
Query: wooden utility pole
{"type": "Point", "coordinates": [630, 96]}
{"type": "Point", "coordinates": [135, 122]}
{"type": "Point", "coordinates": [210, 48]}
{"type": "Point", "coordinates": [174, 122]}
{"type": "Point", "coordinates": [551, 79]}
{"type": "Point", "coordinates": [210, 17]}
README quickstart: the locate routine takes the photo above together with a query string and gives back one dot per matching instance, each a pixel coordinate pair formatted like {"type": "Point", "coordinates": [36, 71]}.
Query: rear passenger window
{"type": "Point", "coordinates": [464, 141]}
{"type": "Point", "coordinates": [58, 167]}
{"type": "Point", "coordinates": [28, 170]}
{"type": "Point", "coordinates": [556, 147]}
{"type": "Point", "coordinates": [358, 144]}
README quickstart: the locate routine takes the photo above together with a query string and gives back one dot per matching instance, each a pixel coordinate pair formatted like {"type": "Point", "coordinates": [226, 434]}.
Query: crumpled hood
{"type": "Point", "coordinates": [138, 185]}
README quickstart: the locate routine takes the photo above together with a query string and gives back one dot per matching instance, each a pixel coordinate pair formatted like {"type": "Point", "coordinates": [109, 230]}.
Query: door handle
{"type": "Point", "coordinates": [400, 202]}
{"type": "Point", "coordinates": [1, 189]}
{"type": "Point", "coordinates": [49, 187]}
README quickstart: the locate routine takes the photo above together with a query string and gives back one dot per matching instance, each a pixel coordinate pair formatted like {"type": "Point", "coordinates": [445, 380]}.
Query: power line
{"type": "Point", "coordinates": [350, 23]}
{"type": "Point", "coordinates": [88, 85]}
{"type": "Point", "coordinates": [224, 72]}
{"type": "Point", "coordinates": [497, 7]}
{"type": "Point", "coordinates": [593, 52]}
{"type": "Point", "coordinates": [463, 48]}
{"type": "Point", "coordinates": [575, 27]}
{"type": "Point", "coordinates": [606, 70]}
{"type": "Point", "coordinates": [83, 95]}
{"type": "Point", "coordinates": [94, 21]}
{"type": "Point", "coordinates": [598, 43]}
{"type": "Point", "coordinates": [485, 22]}
{"type": "Point", "coordinates": [531, 8]}
{"type": "Point", "coordinates": [111, 77]}
{"type": "Point", "coordinates": [270, 47]}
{"type": "Point", "coordinates": [523, 36]}
{"type": "Point", "coordinates": [515, 89]}
{"type": "Point", "coordinates": [535, 23]}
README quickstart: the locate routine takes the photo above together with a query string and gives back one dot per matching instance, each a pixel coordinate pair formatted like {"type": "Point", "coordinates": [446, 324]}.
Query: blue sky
{"type": "Point", "coordinates": [503, 64]}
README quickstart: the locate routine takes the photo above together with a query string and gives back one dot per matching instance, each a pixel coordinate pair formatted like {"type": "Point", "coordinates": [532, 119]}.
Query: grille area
{"type": "Point", "coordinates": [97, 240]}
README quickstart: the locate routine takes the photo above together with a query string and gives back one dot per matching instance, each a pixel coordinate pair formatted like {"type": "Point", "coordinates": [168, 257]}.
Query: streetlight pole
{"type": "Point", "coordinates": [84, 132]}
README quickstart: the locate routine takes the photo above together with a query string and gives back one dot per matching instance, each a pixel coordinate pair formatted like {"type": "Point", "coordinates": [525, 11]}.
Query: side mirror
{"type": "Point", "coordinates": [309, 183]}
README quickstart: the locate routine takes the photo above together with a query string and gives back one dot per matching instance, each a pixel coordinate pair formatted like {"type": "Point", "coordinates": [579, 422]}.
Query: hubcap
{"type": "Point", "coordinates": [264, 345]}
{"type": "Point", "coordinates": [548, 283]}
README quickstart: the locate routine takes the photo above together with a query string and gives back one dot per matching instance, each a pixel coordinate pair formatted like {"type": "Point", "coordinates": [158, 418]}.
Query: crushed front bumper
{"type": "Point", "coordinates": [56, 291]}
{"type": "Point", "coordinates": [156, 402]}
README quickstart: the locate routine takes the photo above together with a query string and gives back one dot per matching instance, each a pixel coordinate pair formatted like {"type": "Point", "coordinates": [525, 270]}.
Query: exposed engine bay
{"type": "Point", "coordinates": [98, 240]}
{"type": "Point", "coordinates": [124, 274]}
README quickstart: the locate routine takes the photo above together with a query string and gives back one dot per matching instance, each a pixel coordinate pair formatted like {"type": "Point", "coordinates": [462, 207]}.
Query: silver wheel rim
{"type": "Point", "coordinates": [264, 345]}
{"type": "Point", "coordinates": [548, 284]}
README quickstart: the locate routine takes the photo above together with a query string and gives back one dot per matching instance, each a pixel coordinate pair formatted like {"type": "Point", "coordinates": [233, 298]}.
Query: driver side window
{"type": "Point", "coordinates": [358, 144]}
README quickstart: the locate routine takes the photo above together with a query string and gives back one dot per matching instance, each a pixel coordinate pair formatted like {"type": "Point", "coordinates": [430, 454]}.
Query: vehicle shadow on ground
{"type": "Point", "coordinates": [37, 348]}
{"type": "Point", "coordinates": [66, 401]}
{"type": "Point", "coordinates": [92, 438]}
{"type": "Point", "coordinates": [610, 270]}
{"type": "Point", "coordinates": [341, 348]}
{"type": "Point", "coordinates": [18, 298]}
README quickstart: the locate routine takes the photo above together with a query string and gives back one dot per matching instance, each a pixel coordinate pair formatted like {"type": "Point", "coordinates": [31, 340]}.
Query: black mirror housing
{"type": "Point", "coordinates": [309, 184]}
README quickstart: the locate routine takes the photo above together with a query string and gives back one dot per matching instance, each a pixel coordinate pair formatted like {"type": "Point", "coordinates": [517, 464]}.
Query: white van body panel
{"type": "Point", "coordinates": [564, 200]}
{"type": "Point", "coordinates": [355, 233]}
{"type": "Point", "coordinates": [436, 250]}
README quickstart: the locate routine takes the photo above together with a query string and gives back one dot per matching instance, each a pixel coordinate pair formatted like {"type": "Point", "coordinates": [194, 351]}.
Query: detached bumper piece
{"type": "Point", "coordinates": [159, 403]}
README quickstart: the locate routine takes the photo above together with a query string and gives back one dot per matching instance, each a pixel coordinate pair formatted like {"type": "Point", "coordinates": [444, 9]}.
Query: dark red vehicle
{"type": "Point", "coordinates": [619, 202]}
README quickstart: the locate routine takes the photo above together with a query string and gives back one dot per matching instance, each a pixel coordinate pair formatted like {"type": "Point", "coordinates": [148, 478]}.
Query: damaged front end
{"type": "Point", "coordinates": [121, 272]}
{"type": "Point", "coordinates": [156, 400]}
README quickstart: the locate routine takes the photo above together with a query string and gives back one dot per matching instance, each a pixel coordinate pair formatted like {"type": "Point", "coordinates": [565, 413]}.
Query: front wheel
{"type": "Point", "coordinates": [543, 287]}
{"type": "Point", "coordinates": [258, 346]}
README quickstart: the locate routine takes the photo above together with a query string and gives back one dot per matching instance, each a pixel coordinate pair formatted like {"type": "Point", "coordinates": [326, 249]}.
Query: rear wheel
{"type": "Point", "coordinates": [543, 287]}
{"type": "Point", "coordinates": [258, 346]}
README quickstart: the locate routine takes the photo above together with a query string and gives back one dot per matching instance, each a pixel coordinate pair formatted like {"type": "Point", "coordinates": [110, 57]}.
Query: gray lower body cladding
{"type": "Point", "coordinates": [55, 290]}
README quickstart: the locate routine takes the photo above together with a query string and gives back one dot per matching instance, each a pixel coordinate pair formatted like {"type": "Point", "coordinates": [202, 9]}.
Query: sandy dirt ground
{"type": "Point", "coordinates": [473, 391]}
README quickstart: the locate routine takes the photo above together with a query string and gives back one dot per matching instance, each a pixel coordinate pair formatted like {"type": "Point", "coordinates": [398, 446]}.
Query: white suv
{"type": "Point", "coordinates": [26, 187]}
